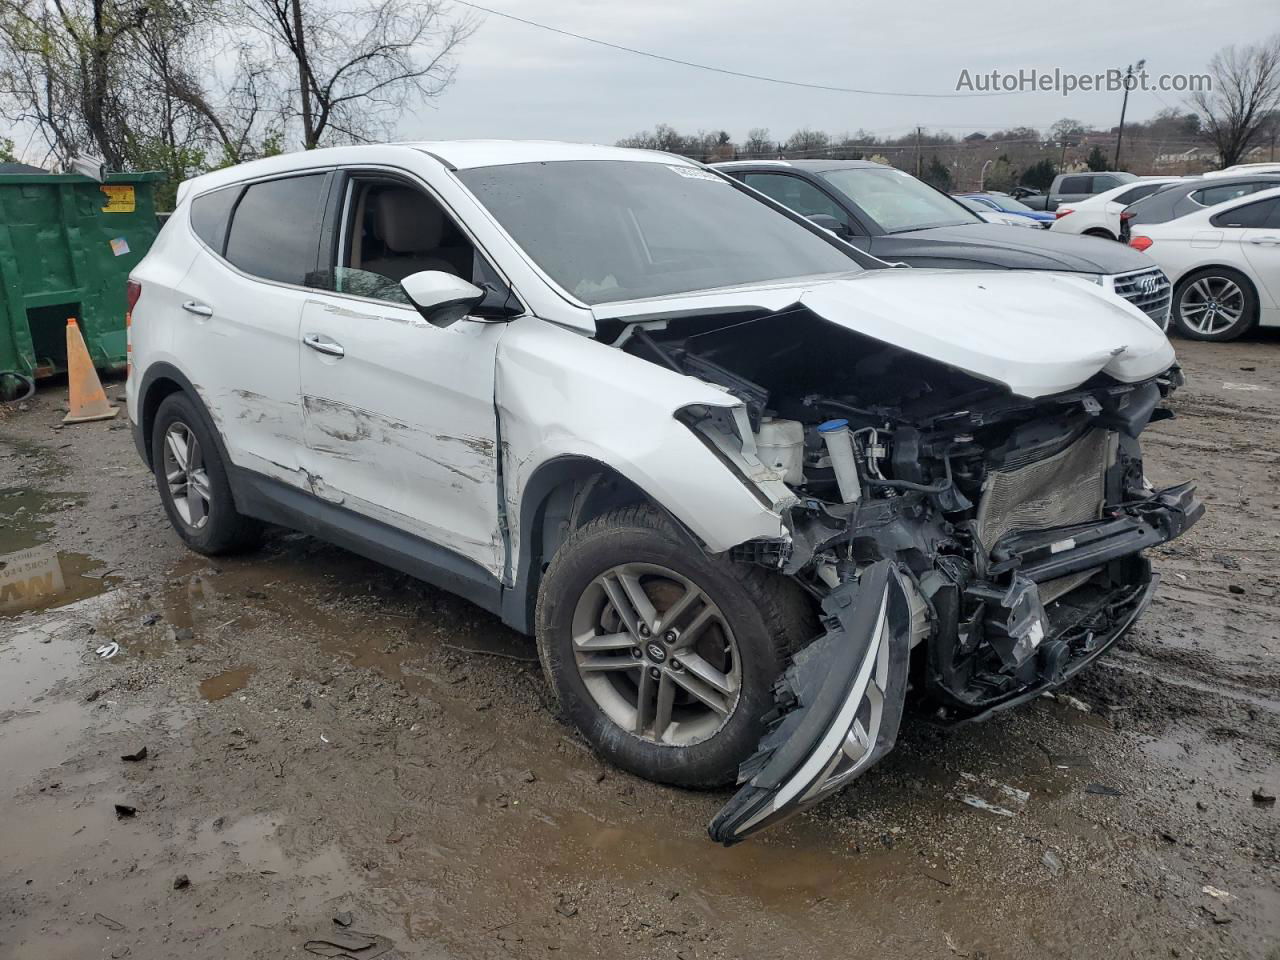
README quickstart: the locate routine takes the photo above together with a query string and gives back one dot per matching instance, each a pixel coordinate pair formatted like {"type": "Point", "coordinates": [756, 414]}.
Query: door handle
{"type": "Point", "coordinates": [322, 344]}
{"type": "Point", "coordinates": [1264, 240]}
{"type": "Point", "coordinates": [199, 309]}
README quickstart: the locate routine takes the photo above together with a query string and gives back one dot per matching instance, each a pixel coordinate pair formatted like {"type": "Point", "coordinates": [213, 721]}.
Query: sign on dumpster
{"type": "Point", "coordinates": [120, 198]}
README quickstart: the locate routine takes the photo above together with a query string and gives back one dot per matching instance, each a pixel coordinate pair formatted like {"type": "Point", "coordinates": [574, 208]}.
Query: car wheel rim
{"type": "Point", "coordinates": [1212, 305]}
{"type": "Point", "coordinates": [186, 476]}
{"type": "Point", "coordinates": [656, 654]}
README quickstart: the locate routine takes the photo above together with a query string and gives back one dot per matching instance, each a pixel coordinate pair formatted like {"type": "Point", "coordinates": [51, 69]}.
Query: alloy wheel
{"type": "Point", "coordinates": [656, 654]}
{"type": "Point", "coordinates": [1212, 305]}
{"type": "Point", "coordinates": [185, 473]}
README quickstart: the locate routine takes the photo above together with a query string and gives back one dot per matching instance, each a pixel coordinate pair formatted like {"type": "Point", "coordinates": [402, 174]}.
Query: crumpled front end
{"type": "Point", "coordinates": [974, 546]}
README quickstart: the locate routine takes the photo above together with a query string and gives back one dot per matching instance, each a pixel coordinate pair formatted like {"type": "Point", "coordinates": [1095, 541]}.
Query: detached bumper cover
{"type": "Point", "coordinates": [840, 706]}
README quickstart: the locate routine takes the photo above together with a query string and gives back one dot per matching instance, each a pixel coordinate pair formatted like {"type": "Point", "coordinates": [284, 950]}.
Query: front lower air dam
{"type": "Point", "coordinates": [841, 701]}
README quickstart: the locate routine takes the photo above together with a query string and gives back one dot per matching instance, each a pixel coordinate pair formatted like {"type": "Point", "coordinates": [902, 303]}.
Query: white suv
{"type": "Point", "coordinates": [739, 479]}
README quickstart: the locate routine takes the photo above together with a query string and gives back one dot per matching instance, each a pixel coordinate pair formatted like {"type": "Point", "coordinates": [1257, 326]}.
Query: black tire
{"type": "Point", "coordinates": [224, 530]}
{"type": "Point", "coordinates": [1215, 275]}
{"type": "Point", "coordinates": [1100, 234]}
{"type": "Point", "coordinates": [769, 617]}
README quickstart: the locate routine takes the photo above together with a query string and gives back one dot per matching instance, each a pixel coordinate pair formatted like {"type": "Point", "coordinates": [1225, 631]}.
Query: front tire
{"type": "Point", "coordinates": [1215, 304]}
{"type": "Point", "coordinates": [662, 656]}
{"type": "Point", "coordinates": [192, 481]}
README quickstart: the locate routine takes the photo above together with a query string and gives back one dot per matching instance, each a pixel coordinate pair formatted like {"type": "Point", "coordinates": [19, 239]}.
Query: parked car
{"type": "Point", "coordinates": [896, 217]}
{"type": "Point", "coordinates": [1099, 215]}
{"type": "Point", "coordinates": [620, 401]}
{"type": "Point", "coordinates": [1184, 198]}
{"type": "Point", "coordinates": [1244, 169]}
{"type": "Point", "coordinates": [1004, 203]}
{"type": "Point", "coordinates": [992, 215]}
{"type": "Point", "coordinates": [1224, 262]}
{"type": "Point", "coordinates": [1073, 187]}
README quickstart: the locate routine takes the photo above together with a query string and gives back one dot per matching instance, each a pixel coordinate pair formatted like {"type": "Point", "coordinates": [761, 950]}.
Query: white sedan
{"type": "Point", "coordinates": [1224, 262]}
{"type": "Point", "coordinates": [1099, 215]}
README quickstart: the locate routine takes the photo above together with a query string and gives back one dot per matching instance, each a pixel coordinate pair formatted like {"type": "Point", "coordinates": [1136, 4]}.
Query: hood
{"type": "Point", "coordinates": [1036, 334]}
{"type": "Point", "coordinates": [1001, 246]}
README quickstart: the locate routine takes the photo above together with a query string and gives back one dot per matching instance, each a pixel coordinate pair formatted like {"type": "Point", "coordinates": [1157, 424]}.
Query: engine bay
{"type": "Point", "coordinates": [1019, 522]}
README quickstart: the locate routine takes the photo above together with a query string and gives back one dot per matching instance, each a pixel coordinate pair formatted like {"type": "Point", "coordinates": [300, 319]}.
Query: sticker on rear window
{"type": "Point", "coordinates": [695, 173]}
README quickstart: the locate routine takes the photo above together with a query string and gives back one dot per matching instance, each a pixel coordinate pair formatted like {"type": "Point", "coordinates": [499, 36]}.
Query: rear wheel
{"type": "Point", "coordinates": [1100, 233]}
{"type": "Point", "coordinates": [192, 481]}
{"type": "Point", "coordinates": [1215, 304]}
{"type": "Point", "coordinates": [662, 656]}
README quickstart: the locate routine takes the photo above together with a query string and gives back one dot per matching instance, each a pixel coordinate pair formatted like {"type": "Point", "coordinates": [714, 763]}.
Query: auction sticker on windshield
{"type": "Point", "coordinates": [694, 173]}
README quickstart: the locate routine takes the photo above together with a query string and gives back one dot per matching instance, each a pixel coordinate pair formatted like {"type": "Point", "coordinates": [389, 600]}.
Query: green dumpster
{"type": "Point", "coordinates": [67, 244]}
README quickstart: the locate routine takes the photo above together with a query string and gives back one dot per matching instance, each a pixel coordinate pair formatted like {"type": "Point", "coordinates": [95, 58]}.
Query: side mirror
{"type": "Point", "coordinates": [440, 297]}
{"type": "Point", "coordinates": [829, 224]}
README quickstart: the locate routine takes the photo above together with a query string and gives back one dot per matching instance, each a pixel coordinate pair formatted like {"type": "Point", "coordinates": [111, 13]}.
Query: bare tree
{"type": "Point", "coordinates": [1246, 89]}
{"type": "Point", "coordinates": [758, 143]}
{"type": "Point", "coordinates": [355, 68]}
{"type": "Point", "coordinates": [806, 142]}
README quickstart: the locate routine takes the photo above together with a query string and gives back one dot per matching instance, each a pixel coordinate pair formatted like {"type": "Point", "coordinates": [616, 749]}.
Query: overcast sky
{"type": "Point", "coordinates": [515, 80]}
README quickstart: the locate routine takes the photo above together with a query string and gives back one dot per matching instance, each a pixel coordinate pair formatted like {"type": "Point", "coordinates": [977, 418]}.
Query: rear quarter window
{"type": "Point", "coordinates": [1249, 215]}
{"type": "Point", "coordinates": [275, 231]}
{"type": "Point", "coordinates": [210, 214]}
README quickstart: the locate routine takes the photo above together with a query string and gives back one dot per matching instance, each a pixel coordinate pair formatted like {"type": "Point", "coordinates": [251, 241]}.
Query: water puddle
{"type": "Point", "coordinates": [226, 683]}
{"type": "Point", "coordinates": [33, 575]}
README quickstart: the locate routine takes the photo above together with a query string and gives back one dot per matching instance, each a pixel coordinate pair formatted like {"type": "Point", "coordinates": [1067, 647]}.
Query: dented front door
{"type": "Point", "coordinates": [399, 422]}
{"type": "Point", "coordinates": [840, 703]}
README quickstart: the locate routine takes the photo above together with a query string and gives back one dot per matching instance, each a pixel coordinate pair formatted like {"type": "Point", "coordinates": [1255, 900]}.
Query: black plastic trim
{"type": "Point", "coordinates": [275, 501]}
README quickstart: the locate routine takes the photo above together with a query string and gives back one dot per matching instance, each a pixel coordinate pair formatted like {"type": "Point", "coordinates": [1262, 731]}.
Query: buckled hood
{"type": "Point", "coordinates": [1037, 334]}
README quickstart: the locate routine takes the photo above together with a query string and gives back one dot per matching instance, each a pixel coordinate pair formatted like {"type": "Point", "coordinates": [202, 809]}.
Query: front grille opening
{"type": "Point", "coordinates": [1068, 487]}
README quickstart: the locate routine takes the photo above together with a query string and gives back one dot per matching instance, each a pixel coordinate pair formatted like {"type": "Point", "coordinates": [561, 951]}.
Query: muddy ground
{"type": "Point", "coordinates": [325, 737]}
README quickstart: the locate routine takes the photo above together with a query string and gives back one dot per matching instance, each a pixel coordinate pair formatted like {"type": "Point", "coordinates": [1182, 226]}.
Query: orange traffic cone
{"type": "Point", "coordinates": [86, 399]}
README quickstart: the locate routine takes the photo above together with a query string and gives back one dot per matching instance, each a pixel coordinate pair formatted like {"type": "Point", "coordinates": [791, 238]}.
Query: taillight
{"type": "Point", "coordinates": [1141, 243]}
{"type": "Point", "coordinates": [1126, 216]}
{"type": "Point", "coordinates": [132, 291]}
{"type": "Point", "coordinates": [1060, 213]}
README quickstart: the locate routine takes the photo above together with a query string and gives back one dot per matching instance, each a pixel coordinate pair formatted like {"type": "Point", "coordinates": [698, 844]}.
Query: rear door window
{"type": "Point", "coordinates": [275, 230]}
{"type": "Point", "coordinates": [1211, 196]}
{"type": "Point", "coordinates": [210, 213]}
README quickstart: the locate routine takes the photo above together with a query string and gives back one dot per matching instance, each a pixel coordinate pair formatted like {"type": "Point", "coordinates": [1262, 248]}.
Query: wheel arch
{"type": "Point", "coordinates": [160, 381]}
{"type": "Point", "coordinates": [560, 496]}
{"type": "Point", "coordinates": [1181, 282]}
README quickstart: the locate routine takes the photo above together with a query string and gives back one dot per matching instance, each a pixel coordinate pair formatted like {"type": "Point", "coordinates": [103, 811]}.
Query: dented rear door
{"type": "Point", "coordinates": [839, 707]}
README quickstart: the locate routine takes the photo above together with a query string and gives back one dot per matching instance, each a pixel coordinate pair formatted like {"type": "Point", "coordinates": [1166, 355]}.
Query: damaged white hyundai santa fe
{"type": "Point", "coordinates": [748, 487]}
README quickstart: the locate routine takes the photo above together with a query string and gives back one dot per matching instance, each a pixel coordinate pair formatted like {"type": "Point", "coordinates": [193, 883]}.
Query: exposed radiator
{"type": "Point", "coordinates": [1068, 487]}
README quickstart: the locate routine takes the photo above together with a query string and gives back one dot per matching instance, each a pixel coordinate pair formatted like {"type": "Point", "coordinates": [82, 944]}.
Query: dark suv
{"type": "Point", "coordinates": [892, 215]}
{"type": "Point", "coordinates": [1179, 199]}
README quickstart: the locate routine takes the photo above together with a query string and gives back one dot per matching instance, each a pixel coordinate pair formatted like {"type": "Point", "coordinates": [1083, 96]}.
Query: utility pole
{"type": "Point", "coordinates": [304, 88]}
{"type": "Point", "coordinates": [1124, 105]}
{"type": "Point", "coordinates": [919, 168]}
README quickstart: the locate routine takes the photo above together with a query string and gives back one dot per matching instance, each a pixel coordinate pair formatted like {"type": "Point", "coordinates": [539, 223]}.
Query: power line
{"type": "Point", "coordinates": [721, 70]}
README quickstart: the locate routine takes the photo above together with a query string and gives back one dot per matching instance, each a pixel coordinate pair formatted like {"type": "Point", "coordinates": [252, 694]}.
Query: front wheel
{"type": "Point", "coordinates": [662, 656]}
{"type": "Point", "coordinates": [1215, 304]}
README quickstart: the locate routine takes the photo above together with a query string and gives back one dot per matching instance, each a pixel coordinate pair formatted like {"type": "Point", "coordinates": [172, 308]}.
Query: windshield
{"type": "Point", "coordinates": [1008, 203]}
{"type": "Point", "coordinates": [608, 230]}
{"type": "Point", "coordinates": [897, 201]}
